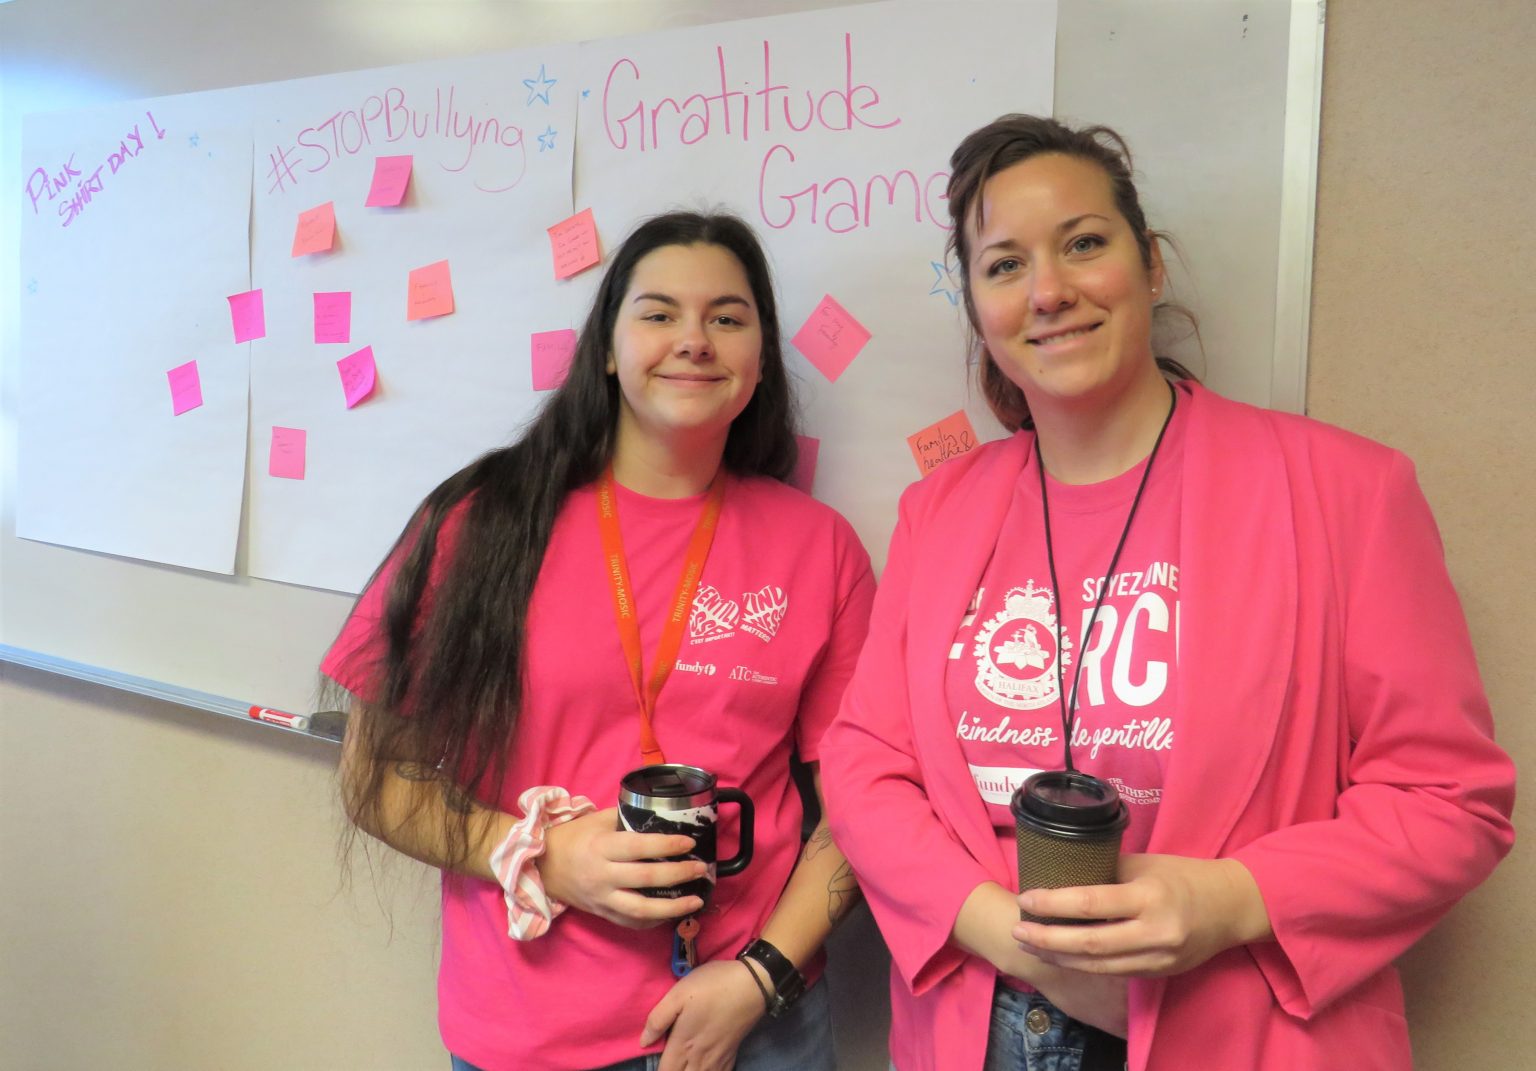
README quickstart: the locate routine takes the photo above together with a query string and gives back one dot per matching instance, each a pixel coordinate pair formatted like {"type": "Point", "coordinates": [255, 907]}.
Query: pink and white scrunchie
{"type": "Point", "coordinates": [529, 909]}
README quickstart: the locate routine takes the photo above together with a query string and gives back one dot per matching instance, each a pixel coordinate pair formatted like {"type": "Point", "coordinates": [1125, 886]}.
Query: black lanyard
{"type": "Point", "coordinates": [1069, 705]}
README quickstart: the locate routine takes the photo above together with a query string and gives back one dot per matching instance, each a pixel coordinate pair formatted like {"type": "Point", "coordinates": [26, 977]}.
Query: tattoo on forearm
{"type": "Point", "coordinates": [842, 892]}
{"type": "Point", "coordinates": [457, 800]}
{"type": "Point", "coordinates": [819, 842]}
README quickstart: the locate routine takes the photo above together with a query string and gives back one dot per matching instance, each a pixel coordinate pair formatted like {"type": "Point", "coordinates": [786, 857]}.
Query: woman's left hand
{"type": "Point", "coordinates": [1169, 914]}
{"type": "Point", "coordinates": [704, 1016]}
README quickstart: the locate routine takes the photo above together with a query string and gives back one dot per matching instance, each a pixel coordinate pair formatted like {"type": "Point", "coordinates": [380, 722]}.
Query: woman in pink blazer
{"type": "Point", "coordinates": [1241, 619]}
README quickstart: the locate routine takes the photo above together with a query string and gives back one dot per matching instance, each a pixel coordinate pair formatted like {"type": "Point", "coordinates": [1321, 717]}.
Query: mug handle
{"type": "Point", "coordinates": [738, 862]}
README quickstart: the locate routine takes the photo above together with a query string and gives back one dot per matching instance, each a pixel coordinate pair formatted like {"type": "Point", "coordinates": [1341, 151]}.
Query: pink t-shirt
{"type": "Point", "coordinates": [780, 616]}
{"type": "Point", "coordinates": [1002, 684]}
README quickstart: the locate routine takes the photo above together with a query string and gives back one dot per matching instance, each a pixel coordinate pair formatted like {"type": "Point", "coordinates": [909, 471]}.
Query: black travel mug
{"type": "Point", "coordinates": [1068, 826]}
{"type": "Point", "coordinates": [673, 798]}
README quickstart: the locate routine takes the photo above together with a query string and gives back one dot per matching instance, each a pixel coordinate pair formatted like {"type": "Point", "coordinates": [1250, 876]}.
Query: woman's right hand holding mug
{"type": "Point", "coordinates": [595, 867]}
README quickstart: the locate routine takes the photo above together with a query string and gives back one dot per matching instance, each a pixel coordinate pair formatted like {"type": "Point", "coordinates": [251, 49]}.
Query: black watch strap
{"type": "Point", "coordinates": [788, 982]}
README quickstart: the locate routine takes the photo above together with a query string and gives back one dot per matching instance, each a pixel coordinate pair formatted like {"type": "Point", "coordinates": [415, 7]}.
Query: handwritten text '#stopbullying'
{"type": "Point", "coordinates": [384, 119]}
{"type": "Point", "coordinates": [72, 188]}
{"type": "Point", "coordinates": [773, 109]}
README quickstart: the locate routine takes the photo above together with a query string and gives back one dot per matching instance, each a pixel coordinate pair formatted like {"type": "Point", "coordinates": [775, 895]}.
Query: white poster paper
{"type": "Point", "coordinates": [133, 235]}
{"type": "Point", "coordinates": [830, 133]}
{"type": "Point", "coordinates": [398, 225]}
{"type": "Point", "coordinates": [490, 140]}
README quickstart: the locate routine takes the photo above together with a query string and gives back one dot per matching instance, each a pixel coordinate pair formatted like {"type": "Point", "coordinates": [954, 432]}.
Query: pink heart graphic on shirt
{"type": "Point", "coordinates": [765, 611]}
{"type": "Point", "coordinates": [713, 614]}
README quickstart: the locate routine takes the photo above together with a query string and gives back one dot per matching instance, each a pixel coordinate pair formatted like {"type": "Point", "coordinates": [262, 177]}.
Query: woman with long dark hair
{"type": "Point", "coordinates": [519, 651]}
{"type": "Point", "coordinates": [1237, 622]}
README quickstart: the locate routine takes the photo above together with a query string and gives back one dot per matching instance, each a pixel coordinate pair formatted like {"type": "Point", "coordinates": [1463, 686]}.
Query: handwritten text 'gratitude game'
{"type": "Point", "coordinates": [56, 185]}
{"type": "Point", "coordinates": [770, 110]}
{"type": "Point", "coordinates": [388, 118]}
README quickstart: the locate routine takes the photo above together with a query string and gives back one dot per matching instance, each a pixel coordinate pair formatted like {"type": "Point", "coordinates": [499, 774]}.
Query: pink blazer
{"type": "Point", "coordinates": [1331, 733]}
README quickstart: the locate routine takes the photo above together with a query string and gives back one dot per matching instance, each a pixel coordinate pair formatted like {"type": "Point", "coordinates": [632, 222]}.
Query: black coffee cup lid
{"type": "Point", "coordinates": [1070, 803]}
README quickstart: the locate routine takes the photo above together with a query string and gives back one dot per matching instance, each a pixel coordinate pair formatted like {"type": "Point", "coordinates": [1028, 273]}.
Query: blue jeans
{"type": "Point", "coordinates": [1029, 1033]}
{"type": "Point", "coordinates": [800, 1041]}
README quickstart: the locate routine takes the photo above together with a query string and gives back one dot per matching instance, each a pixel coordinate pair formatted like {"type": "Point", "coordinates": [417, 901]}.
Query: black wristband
{"type": "Point", "coordinates": [761, 988]}
{"type": "Point", "coordinates": [788, 982]}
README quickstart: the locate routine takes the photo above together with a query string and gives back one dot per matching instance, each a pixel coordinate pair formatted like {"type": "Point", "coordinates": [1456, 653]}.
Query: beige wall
{"type": "Point", "coordinates": [168, 884]}
{"type": "Point", "coordinates": [1424, 336]}
{"type": "Point", "coordinates": [170, 898]}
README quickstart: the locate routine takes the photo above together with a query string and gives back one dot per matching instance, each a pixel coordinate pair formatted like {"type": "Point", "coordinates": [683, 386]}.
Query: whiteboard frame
{"type": "Point", "coordinates": [1298, 205]}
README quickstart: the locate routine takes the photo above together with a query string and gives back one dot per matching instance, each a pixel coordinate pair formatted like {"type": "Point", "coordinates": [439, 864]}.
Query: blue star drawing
{"type": "Point", "coordinates": [32, 286]}
{"type": "Point", "coordinates": [547, 139]}
{"type": "Point", "coordinates": [944, 282]}
{"type": "Point", "coordinates": [192, 141]}
{"type": "Point", "coordinates": [586, 92]}
{"type": "Point", "coordinates": [538, 88]}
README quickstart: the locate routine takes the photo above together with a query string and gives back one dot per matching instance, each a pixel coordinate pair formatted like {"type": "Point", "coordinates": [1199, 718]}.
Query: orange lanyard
{"type": "Point", "coordinates": [624, 601]}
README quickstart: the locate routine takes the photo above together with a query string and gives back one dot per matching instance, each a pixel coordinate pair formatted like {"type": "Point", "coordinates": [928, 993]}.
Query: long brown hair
{"type": "Point", "coordinates": [449, 691]}
{"type": "Point", "coordinates": [1010, 140]}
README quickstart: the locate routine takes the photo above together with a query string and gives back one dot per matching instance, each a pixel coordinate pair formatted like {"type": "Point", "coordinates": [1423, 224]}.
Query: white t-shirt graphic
{"type": "Point", "coordinates": [1002, 682]}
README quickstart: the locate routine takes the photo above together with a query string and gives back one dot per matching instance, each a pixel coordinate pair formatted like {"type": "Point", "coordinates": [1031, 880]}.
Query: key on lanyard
{"type": "Point", "coordinates": [684, 954]}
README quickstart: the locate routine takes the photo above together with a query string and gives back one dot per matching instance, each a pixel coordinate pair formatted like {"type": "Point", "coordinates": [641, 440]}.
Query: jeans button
{"type": "Point", "coordinates": [1038, 1021]}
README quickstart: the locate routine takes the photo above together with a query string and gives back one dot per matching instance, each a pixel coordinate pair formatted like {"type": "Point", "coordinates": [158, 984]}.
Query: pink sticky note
{"type": "Point", "coordinates": [286, 458]}
{"type": "Point", "coordinates": [186, 388]}
{"type": "Point", "coordinates": [333, 316]}
{"type": "Point", "coordinates": [937, 443]}
{"type": "Point", "coordinates": [552, 353]}
{"type": "Point", "coordinates": [358, 375]}
{"type": "Point", "coordinates": [391, 174]}
{"type": "Point", "coordinates": [316, 230]}
{"type": "Point", "coordinates": [804, 476]}
{"type": "Point", "coordinates": [249, 315]}
{"type": "Point", "coordinates": [430, 292]}
{"type": "Point", "coordinates": [574, 244]}
{"type": "Point", "coordinates": [831, 338]}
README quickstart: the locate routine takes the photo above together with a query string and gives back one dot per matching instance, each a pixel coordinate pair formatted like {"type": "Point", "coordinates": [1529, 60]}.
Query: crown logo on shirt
{"type": "Point", "coordinates": [1016, 651]}
{"type": "Point", "coordinates": [1030, 601]}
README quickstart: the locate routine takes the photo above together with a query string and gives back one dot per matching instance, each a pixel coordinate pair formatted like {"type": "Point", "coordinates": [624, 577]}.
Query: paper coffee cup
{"type": "Point", "coordinates": [1068, 826]}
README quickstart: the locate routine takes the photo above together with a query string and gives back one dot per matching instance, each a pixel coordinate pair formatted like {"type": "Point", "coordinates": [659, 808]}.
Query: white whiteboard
{"type": "Point", "coordinates": [1203, 90]}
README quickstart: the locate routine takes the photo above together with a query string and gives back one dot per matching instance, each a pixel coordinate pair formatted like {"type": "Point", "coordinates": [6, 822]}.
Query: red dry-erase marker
{"type": "Point", "coordinates": [279, 717]}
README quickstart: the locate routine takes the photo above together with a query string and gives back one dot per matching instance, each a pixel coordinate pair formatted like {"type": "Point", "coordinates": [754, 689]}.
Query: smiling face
{"type": "Point", "coordinates": [1063, 300]}
{"type": "Point", "coordinates": [687, 346]}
